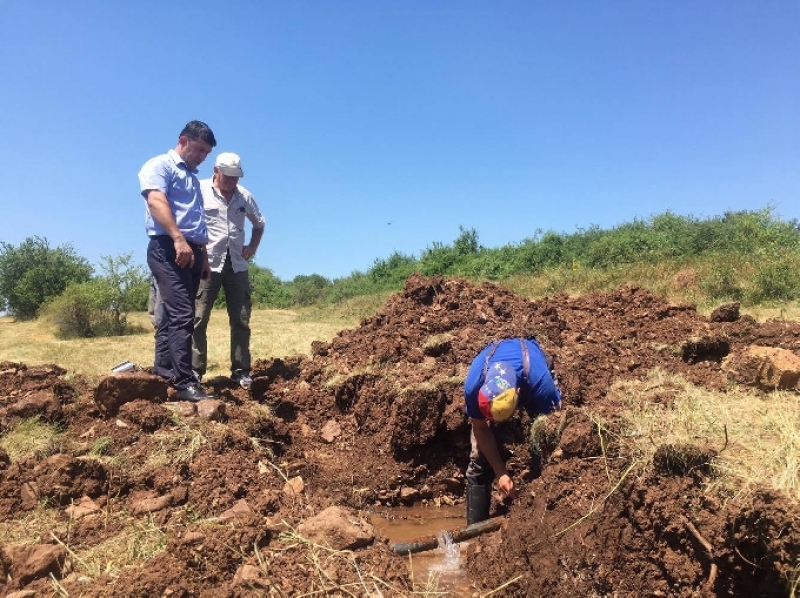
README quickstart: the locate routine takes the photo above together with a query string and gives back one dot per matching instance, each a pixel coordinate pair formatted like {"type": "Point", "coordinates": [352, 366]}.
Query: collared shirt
{"type": "Point", "coordinates": [225, 222]}
{"type": "Point", "coordinates": [169, 174]}
{"type": "Point", "coordinates": [538, 393]}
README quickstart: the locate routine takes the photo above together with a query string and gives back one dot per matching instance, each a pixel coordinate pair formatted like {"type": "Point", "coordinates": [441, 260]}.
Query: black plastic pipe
{"type": "Point", "coordinates": [459, 535]}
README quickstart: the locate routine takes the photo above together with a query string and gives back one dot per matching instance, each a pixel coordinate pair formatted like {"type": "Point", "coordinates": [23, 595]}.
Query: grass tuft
{"type": "Point", "coordinates": [756, 439]}
{"type": "Point", "coordinates": [32, 438]}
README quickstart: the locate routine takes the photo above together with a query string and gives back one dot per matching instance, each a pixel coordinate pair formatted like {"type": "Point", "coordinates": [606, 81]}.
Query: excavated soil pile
{"type": "Point", "coordinates": [237, 487]}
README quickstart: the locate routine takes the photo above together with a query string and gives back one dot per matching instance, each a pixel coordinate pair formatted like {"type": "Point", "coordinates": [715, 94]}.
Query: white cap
{"type": "Point", "coordinates": [230, 164]}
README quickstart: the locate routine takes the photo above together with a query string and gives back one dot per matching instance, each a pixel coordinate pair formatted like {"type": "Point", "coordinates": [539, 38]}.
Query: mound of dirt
{"type": "Point", "coordinates": [375, 417]}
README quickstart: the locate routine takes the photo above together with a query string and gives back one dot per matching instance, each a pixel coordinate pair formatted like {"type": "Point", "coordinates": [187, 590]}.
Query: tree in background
{"type": "Point", "coordinates": [267, 289]}
{"type": "Point", "coordinates": [309, 289]}
{"type": "Point", "coordinates": [33, 273]}
{"type": "Point", "coordinates": [128, 287]}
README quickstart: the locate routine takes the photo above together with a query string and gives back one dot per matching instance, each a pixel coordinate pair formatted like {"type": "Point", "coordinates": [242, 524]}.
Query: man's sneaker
{"type": "Point", "coordinates": [242, 379]}
{"type": "Point", "coordinates": [193, 392]}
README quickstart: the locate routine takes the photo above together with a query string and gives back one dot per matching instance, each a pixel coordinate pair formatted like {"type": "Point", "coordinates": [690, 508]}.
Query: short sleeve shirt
{"type": "Point", "coordinates": [538, 392]}
{"type": "Point", "coordinates": [225, 222]}
{"type": "Point", "coordinates": [169, 174]}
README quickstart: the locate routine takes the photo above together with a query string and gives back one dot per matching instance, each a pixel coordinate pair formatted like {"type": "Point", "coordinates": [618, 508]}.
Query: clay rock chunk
{"type": "Point", "coordinates": [339, 528]}
{"type": "Point", "coordinates": [331, 430]}
{"type": "Point", "coordinates": [768, 368]}
{"type": "Point", "coordinates": [82, 508]}
{"type": "Point", "coordinates": [119, 389]}
{"type": "Point", "coordinates": [35, 561]}
{"type": "Point", "coordinates": [729, 312]}
{"type": "Point", "coordinates": [250, 577]}
{"type": "Point", "coordinates": [241, 509]}
{"type": "Point", "coordinates": [43, 403]}
{"type": "Point", "coordinates": [211, 409]}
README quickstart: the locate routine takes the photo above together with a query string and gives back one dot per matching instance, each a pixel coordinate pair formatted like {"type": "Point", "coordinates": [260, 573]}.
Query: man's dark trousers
{"type": "Point", "coordinates": [177, 288]}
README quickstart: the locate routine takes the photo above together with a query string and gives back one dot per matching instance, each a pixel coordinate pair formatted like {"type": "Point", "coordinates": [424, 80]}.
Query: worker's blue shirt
{"type": "Point", "coordinates": [169, 174]}
{"type": "Point", "coordinates": [538, 392]}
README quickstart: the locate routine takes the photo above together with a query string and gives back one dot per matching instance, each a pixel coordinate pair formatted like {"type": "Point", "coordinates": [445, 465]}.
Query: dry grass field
{"type": "Point", "coordinates": [275, 333]}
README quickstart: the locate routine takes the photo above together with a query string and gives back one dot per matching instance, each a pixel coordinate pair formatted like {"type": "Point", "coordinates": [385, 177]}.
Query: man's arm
{"type": "Point", "coordinates": [159, 208]}
{"type": "Point", "coordinates": [488, 446]}
{"type": "Point", "coordinates": [250, 249]}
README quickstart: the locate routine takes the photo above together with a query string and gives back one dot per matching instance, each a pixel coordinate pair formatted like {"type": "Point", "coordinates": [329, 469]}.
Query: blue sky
{"type": "Point", "coordinates": [368, 127]}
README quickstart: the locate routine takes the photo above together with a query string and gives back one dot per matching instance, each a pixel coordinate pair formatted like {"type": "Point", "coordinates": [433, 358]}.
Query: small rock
{"type": "Point", "coordinates": [211, 409]}
{"type": "Point", "coordinates": [240, 508]}
{"type": "Point", "coordinates": [150, 505]}
{"type": "Point", "coordinates": [35, 561]}
{"type": "Point", "coordinates": [408, 494]}
{"type": "Point", "coordinates": [294, 487]}
{"type": "Point", "coordinates": [29, 492]}
{"type": "Point", "coordinates": [182, 408]}
{"type": "Point", "coordinates": [193, 538]}
{"type": "Point", "coordinates": [85, 506]}
{"type": "Point", "coordinates": [339, 528]}
{"type": "Point", "coordinates": [331, 430]}
{"type": "Point", "coordinates": [251, 577]}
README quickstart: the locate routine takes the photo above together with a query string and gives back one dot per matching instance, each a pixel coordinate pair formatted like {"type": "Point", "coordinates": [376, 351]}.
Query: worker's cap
{"type": "Point", "coordinates": [497, 398]}
{"type": "Point", "coordinates": [229, 164]}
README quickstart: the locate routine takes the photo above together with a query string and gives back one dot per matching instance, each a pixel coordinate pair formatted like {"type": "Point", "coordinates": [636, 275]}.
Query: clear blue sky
{"type": "Point", "coordinates": [367, 126]}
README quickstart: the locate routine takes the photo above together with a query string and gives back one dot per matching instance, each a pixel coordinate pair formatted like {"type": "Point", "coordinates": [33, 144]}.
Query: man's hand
{"type": "Point", "coordinates": [506, 486]}
{"type": "Point", "coordinates": [488, 446]}
{"type": "Point", "coordinates": [248, 251]}
{"type": "Point", "coordinates": [184, 256]}
{"type": "Point", "coordinates": [159, 208]}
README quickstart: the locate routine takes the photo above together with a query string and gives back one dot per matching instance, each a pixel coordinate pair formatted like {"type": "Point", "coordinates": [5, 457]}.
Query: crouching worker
{"type": "Point", "coordinates": [506, 374]}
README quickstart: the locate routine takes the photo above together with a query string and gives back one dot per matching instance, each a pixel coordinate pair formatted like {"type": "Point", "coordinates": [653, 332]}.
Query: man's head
{"type": "Point", "coordinates": [227, 171]}
{"type": "Point", "coordinates": [195, 143]}
{"type": "Point", "coordinates": [497, 398]}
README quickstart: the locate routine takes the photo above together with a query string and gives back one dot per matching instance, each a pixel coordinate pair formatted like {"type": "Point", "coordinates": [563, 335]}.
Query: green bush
{"type": "Point", "coordinates": [33, 273]}
{"type": "Point", "coordinates": [127, 288]}
{"type": "Point", "coordinates": [267, 289]}
{"type": "Point", "coordinates": [100, 307]}
{"type": "Point", "coordinates": [308, 290]}
{"type": "Point", "coordinates": [390, 272]}
{"type": "Point", "coordinates": [777, 278]}
{"type": "Point", "coordinates": [589, 259]}
{"type": "Point", "coordinates": [81, 311]}
{"type": "Point", "coordinates": [723, 282]}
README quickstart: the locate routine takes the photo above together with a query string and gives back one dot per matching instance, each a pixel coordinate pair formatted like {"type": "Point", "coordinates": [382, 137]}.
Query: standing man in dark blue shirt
{"type": "Point", "coordinates": [506, 374]}
{"type": "Point", "coordinates": [176, 252]}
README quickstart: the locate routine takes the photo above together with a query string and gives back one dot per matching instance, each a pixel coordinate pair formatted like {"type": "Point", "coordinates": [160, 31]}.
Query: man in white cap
{"type": "Point", "coordinates": [226, 205]}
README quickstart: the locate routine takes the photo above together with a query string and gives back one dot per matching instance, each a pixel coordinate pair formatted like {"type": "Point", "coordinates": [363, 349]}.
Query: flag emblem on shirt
{"type": "Point", "coordinates": [497, 398]}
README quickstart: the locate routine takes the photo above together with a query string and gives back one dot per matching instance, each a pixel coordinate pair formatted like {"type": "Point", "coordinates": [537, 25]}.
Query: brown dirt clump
{"type": "Point", "coordinates": [375, 418]}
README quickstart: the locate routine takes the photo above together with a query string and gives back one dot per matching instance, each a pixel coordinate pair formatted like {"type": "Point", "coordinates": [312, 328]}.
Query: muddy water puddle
{"type": "Point", "coordinates": [440, 569]}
